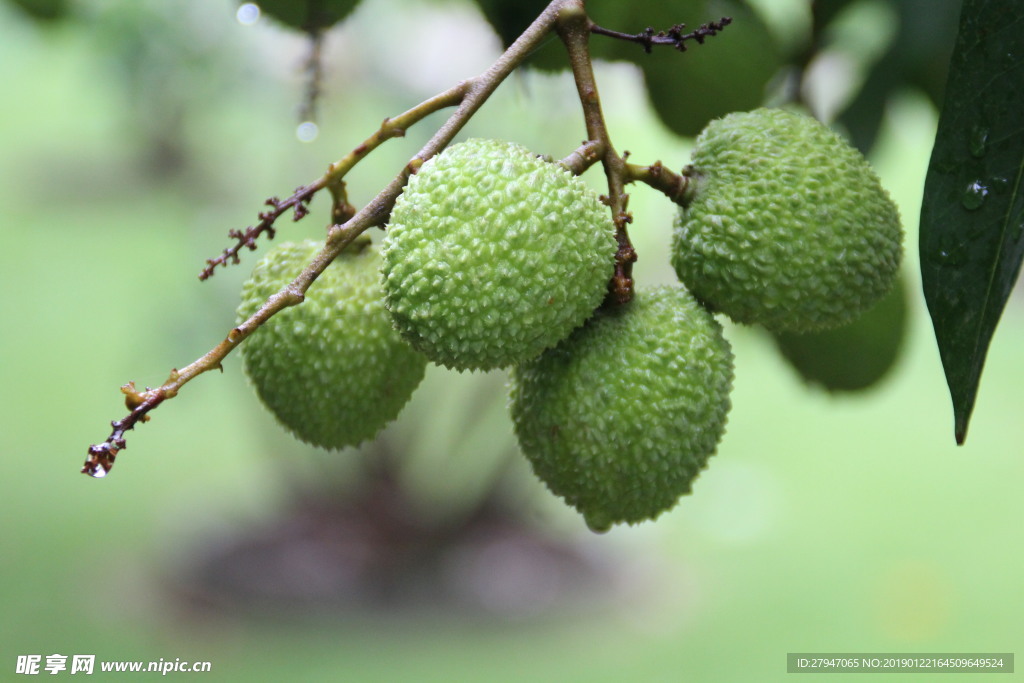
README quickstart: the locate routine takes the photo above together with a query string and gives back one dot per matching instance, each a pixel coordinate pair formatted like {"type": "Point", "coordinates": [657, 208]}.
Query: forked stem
{"type": "Point", "coordinates": [467, 96]}
{"type": "Point", "coordinates": [574, 29]}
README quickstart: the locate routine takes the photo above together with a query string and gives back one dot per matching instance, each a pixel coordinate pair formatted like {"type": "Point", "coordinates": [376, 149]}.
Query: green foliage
{"type": "Point", "coordinates": [972, 215]}
{"type": "Point", "coordinates": [332, 369]}
{"type": "Point", "coordinates": [916, 58]}
{"type": "Point", "coordinates": [510, 19]}
{"type": "Point", "coordinates": [493, 255]}
{"type": "Point", "coordinates": [621, 417]}
{"type": "Point", "coordinates": [855, 356]}
{"type": "Point", "coordinates": [43, 10]}
{"type": "Point", "coordinates": [789, 226]}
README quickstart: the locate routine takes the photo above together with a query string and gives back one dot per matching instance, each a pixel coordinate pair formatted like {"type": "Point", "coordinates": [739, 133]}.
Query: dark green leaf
{"type": "Point", "coordinates": [972, 216]}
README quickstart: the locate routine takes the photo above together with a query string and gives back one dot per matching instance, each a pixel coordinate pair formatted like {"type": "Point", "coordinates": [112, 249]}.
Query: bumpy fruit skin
{"type": "Point", "coordinates": [493, 255]}
{"type": "Point", "coordinates": [856, 356]}
{"type": "Point", "coordinates": [789, 226]}
{"type": "Point", "coordinates": [332, 369]}
{"type": "Point", "coordinates": [621, 417]}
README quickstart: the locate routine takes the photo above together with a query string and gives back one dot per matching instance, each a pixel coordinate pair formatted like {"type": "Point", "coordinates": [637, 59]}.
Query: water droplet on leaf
{"type": "Point", "coordinates": [974, 195]}
{"type": "Point", "coordinates": [951, 254]}
{"type": "Point", "coordinates": [952, 257]}
{"type": "Point", "coordinates": [1000, 184]}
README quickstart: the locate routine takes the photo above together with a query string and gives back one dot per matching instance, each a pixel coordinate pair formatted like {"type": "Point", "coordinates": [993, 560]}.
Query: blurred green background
{"type": "Point", "coordinates": [133, 135]}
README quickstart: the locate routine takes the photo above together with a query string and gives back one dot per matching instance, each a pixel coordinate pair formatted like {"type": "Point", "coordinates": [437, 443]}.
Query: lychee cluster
{"type": "Point", "coordinates": [496, 258]}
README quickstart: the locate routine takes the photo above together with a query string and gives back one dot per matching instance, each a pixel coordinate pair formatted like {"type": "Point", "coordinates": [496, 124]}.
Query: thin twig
{"type": "Point", "coordinates": [674, 36]}
{"type": "Point", "coordinates": [391, 128]}
{"type": "Point", "coordinates": [574, 30]}
{"type": "Point", "coordinates": [585, 156]}
{"type": "Point", "coordinates": [675, 186]}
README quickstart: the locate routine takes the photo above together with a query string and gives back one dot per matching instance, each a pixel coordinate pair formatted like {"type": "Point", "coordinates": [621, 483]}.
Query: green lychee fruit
{"type": "Point", "coordinates": [332, 369]}
{"type": "Point", "coordinates": [855, 356]}
{"type": "Point", "coordinates": [308, 15]}
{"type": "Point", "coordinates": [788, 226]}
{"type": "Point", "coordinates": [493, 254]}
{"type": "Point", "coordinates": [620, 417]}
{"type": "Point", "coordinates": [728, 75]}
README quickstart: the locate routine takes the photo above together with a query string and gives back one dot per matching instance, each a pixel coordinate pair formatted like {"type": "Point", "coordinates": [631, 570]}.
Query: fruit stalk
{"type": "Point", "coordinates": [314, 76]}
{"type": "Point", "coordinates": [675, 186]}
{"type": "Point", "coordinates": [584, 156]}
{"type": "Point", "coordinates": [574, 29]}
